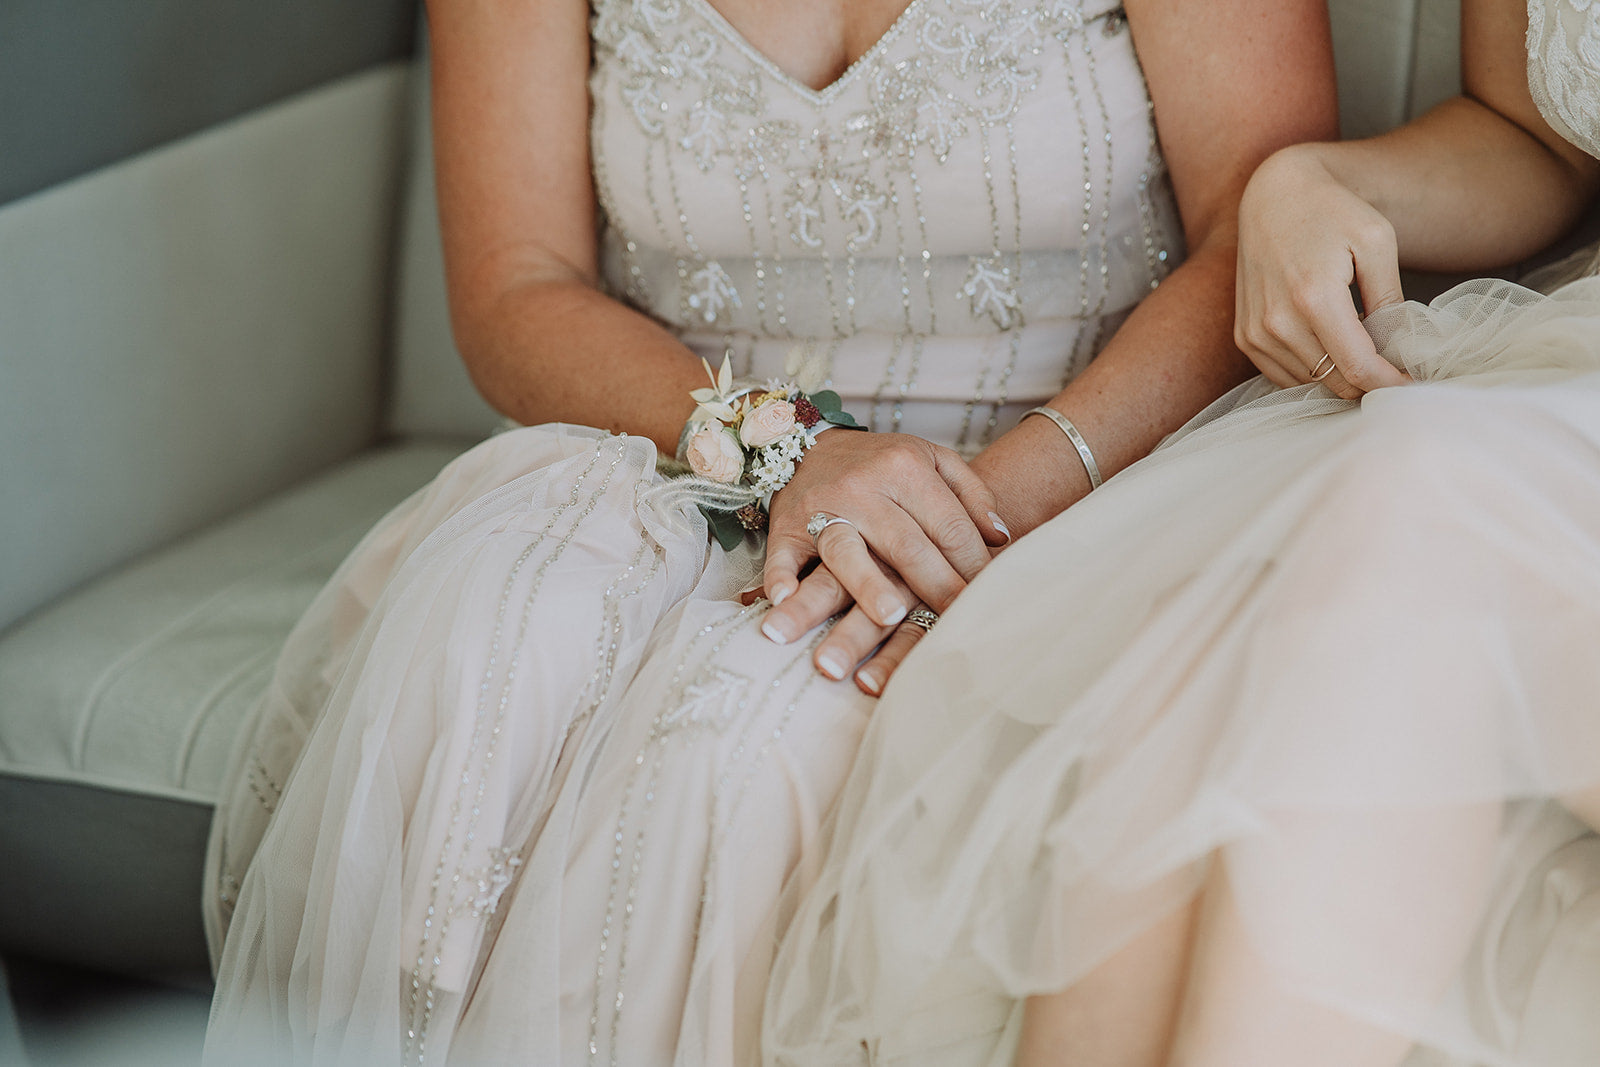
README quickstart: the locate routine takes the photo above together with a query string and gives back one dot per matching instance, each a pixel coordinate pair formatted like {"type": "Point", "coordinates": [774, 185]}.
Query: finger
{"type": "Point", "coordinates": [874, 674]}
{"type": "Point", "coordinates": [974, 496]}
{"type": "Point", "coordinates": [1377, 265]}
{"type": "Point", "coordinates": [844, 550]}
{"type": "Point", "coordinates": [1295, 327]}
{"type": "Point", "coordinates": [788, 550]}
{"type": "Point", "coordinates": [1271, 356]}
{"type": "Point", "coordinates": [820, 597]}
{"type": "Point", "coordinates": [1273, 370]}
{"type": "Point", "coordinates": [850, 641]}
{"type": "Point", "coordinates": [921, 565]}
{"type": "Point", "coordinates": [1269, 361]}
{"type": "Point", "coordinates": [948, 526]}
{"type": "Point", "coordinates": [1339, 330]}
{"type": "Point", "coordinates": [853, 637]}
{"type": "Point", "coordinates": [1293, 340]}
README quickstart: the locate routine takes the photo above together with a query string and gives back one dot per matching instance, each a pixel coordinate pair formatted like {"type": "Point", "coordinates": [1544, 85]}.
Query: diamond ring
{"type": "Point", "coordinates": [821, 521]}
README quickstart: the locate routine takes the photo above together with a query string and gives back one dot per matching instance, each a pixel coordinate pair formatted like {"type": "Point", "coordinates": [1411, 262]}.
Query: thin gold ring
{"type": "Point", "coordinates": [1317, 373]}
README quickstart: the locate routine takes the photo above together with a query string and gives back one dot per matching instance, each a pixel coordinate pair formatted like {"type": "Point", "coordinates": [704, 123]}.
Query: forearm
{"type": "Point", "coordinates": [561, 351]}
{"type": "Point", "coordinates": [1464, 187]}
{"type": "Point", "coordinates": [1172, 356]}
{"type": "Point", "coordinates": [1231, 81]}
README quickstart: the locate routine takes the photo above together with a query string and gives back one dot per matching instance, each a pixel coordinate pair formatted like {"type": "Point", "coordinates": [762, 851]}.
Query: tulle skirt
{"type": "Point", "coordinates": [526, 784]}
{"type": "Point", "coordinates": [1335, 662]}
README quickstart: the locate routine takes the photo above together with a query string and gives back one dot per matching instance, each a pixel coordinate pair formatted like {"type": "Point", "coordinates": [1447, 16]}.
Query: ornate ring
{"type": "Point", "coordinates": [821, 521]}
{"type": "Point", "coordinates": [923, 617]}
{"type": "Point", "coordinates": [1317, 373]}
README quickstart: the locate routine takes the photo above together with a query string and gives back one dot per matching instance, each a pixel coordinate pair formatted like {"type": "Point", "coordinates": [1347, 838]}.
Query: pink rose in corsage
{"type": "Point", "coordinates": [768, 422]}
{"type": "Point", "coordinates": [715, 453]}
{"type": "Point", "coordinates": [750, 439]}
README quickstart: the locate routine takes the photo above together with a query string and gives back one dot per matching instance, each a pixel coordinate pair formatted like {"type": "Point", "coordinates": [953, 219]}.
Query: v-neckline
{"type": "Point", "coordinates": [795, 85]}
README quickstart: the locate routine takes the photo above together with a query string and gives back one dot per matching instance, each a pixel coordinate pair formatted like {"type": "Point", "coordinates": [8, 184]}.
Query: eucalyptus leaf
{"type": "Point", "coordinates": [725, 527]}
{"type": "Point", "coordinates": [826, 401]}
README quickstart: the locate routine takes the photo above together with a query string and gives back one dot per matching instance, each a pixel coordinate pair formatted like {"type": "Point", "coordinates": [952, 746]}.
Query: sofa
{"type": "Point", "coordinates": [224, 353]}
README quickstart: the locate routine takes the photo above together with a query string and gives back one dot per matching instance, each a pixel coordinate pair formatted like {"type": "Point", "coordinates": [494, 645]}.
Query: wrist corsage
{"type": "Point", "coordinates": [743, 442]}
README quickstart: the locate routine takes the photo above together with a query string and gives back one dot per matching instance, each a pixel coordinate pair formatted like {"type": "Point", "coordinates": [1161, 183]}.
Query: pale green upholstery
{"type": "Point", "coordinates": [195, 365]}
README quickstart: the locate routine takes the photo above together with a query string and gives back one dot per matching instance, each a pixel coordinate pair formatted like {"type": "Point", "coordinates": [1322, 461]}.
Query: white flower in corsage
{"type": "Point", "coordinates": [749, 440]}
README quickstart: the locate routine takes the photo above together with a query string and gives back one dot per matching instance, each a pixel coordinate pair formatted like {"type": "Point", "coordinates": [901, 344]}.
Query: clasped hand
{"type": "Point", "coordinates": [921, 526]}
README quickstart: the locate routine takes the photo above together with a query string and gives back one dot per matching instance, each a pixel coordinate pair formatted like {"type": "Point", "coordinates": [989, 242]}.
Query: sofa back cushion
{"type": "Point", "coordinates": [190, 328]}
{"type": "Point", "coordinates": [1396, 59]}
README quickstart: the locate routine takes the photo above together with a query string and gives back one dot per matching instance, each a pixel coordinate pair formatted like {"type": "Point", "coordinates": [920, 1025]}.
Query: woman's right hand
{"type": "Point", "coordinates": [914, 509]}
{"type": "Point", "coordinates": [1304, 239]}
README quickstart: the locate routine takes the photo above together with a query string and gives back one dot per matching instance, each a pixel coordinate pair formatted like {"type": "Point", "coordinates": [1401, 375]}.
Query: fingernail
{"type": "Point", "coordinates": [891, 610]}
{"type": "Point", "coordinates": [869, 682]}
{"type": "Point", "coordinates": [774, 633]}
{"type": "Point", "coordinates": [830, 665]}
{"type": "Point", "coordinates": [780, 594]}
{"type": "Point", "coordinates": [1001, 526]}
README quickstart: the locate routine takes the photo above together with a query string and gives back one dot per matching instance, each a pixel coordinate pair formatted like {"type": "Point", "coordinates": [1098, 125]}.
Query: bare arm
{"type": "Point", "coordinates": [1232, 81]}
{"type": "Point", "coordinates": [1486, 156]}
{"type": "Point", "coordinates": [517, 206]}
{"type": "Point", "coordinates": [516, 201]}
{"type": "Point", "coordinates": [1478, 182]}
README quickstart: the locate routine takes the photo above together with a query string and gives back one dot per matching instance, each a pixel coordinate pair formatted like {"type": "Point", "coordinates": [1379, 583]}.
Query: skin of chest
{"type": "Point", "coordinates": [812, 41]}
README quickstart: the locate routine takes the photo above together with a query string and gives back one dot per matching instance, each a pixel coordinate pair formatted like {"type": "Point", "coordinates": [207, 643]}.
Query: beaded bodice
{"type": "Point", "coordinates": [943, 235]}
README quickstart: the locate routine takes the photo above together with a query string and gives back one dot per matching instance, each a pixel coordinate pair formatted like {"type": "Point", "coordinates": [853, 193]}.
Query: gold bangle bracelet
{"type": "Point", "coordinates": [1077, 440]}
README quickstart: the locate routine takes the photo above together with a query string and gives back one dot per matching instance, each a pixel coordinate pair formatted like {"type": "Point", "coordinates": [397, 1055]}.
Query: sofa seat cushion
{"type": "Point", "coordinates": [119, 706]}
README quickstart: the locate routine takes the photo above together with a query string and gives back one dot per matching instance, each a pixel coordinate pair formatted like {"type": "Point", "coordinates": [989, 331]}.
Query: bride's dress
{"type": "Point", "coordinates": [528, 779]}
{"type": "Point", "coordinates": [1337, 661]}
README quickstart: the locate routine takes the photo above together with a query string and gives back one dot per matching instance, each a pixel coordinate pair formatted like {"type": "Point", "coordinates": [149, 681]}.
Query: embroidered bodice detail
{"type": "Point", "coordinates": [981, 170]}
{"type": "Point", "coordinates": [1564, 67]}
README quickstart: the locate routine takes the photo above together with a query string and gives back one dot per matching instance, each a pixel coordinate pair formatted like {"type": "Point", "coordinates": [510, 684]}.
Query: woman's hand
{"type": "Point", "coordinates": [1304, 238]}
{"type": "Point", "coordinates": [855, 637]}
{"type": "Point", "coordinates": [920, 527]}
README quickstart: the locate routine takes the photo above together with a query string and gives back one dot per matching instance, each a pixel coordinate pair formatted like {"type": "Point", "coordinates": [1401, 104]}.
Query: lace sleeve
{"type": "Point", "coordinates": [1564, 67]}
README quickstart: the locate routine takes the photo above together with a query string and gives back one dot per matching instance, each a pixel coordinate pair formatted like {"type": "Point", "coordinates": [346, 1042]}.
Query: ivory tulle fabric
{"type": "Point", "coordinates": [1331, 663]}
{"type": "Point", "coordinates": [1337, 655]}
{"type": "Point", "coordinates": [528, 780]}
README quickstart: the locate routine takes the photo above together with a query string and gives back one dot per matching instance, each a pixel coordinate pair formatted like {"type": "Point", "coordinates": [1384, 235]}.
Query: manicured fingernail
{"type": "Point", "coordinates": [780, 594]}
{"type": "Point", "coordinates": [891, 610]}
{"type": "Point", "coordinates": [774, 633]}
{"type": "Point", "coordinates": [830, 665]}
{"type": "Point", "coordinates": [869, 682]}
{"type": "Point", "coordinates": [1001, 526]}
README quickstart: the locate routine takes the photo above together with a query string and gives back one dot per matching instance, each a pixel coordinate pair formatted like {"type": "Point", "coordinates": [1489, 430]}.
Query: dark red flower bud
{"type": "Point", "coordinates": [806, 413]}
